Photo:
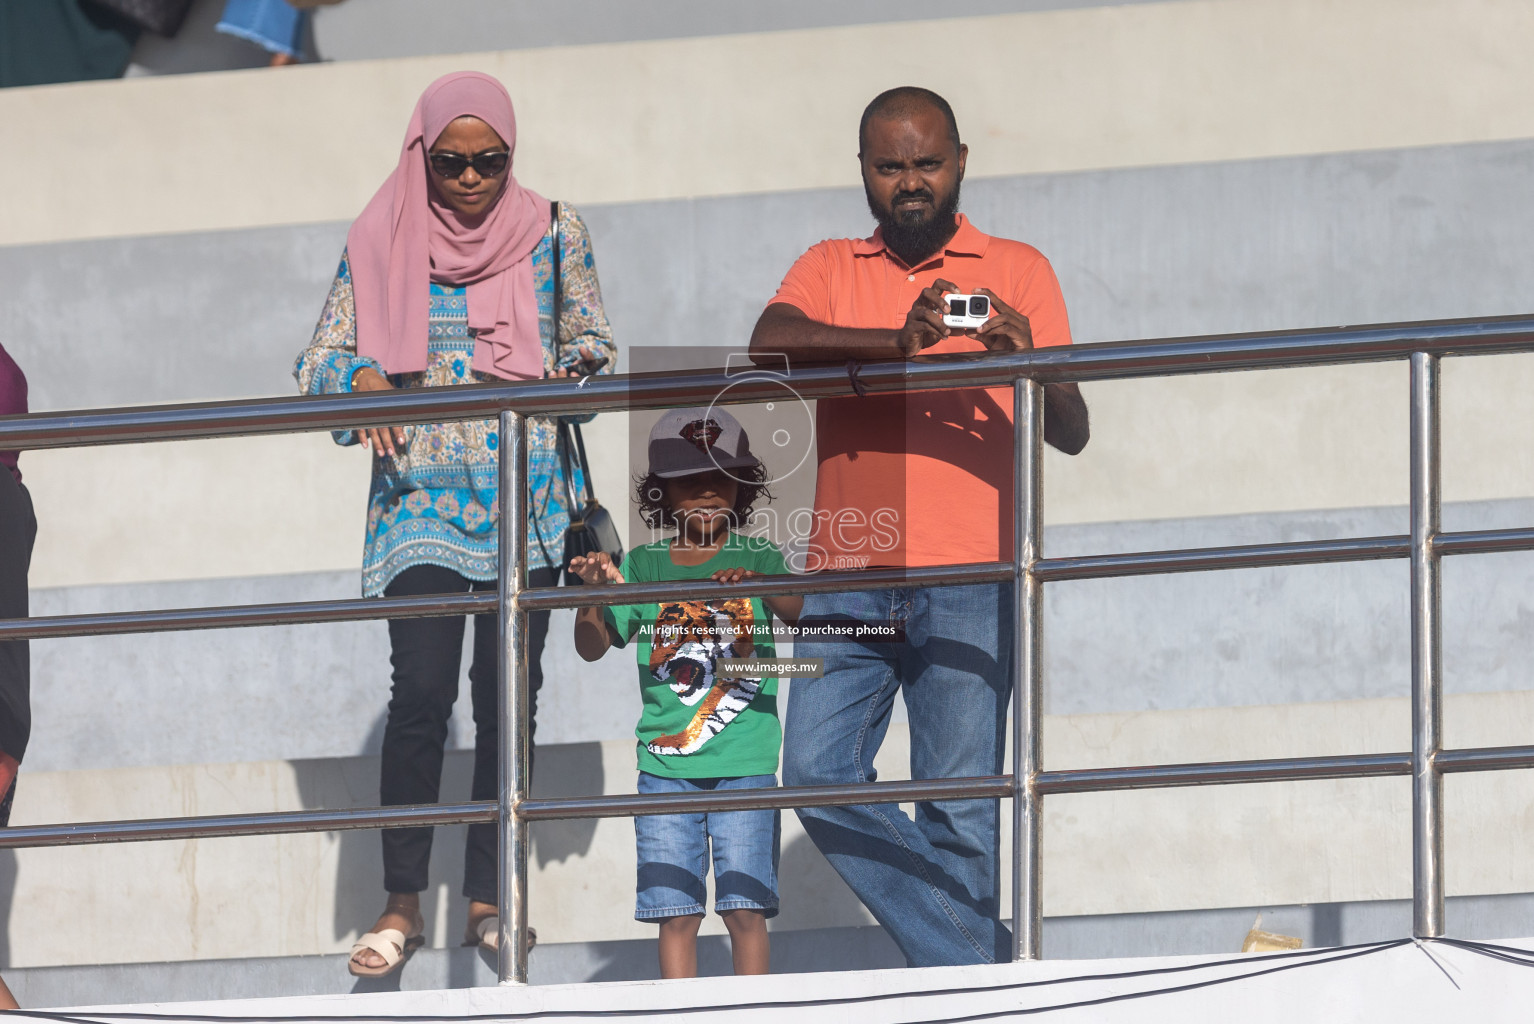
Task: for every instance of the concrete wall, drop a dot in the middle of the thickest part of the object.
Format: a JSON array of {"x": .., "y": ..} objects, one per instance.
[
  {"x": 409, "y": 28},
  {"x": 1127, "y": 853},
  {"x": 1190, "y": 166},
  {"x": 403, "y": 28},
  {"x": 1192, "y": 81},
  {"x": 1149, "y": 252},
  {"x": 1281, "y": 636}
]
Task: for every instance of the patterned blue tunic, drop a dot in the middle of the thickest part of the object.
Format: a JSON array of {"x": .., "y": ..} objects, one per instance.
[{"x": 433, "y": 503}]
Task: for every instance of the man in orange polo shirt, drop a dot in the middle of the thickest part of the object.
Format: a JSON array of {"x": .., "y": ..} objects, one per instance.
[{"x": 914, "y": 479}]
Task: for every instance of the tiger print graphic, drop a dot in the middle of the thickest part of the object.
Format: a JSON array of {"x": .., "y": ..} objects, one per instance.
[{"x": 690, "y": 638}]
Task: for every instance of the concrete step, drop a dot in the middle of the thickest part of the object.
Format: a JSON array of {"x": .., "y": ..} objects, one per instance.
[
  {"x": 1215, "y": 931},
  {"x": 793, "y": 952}
]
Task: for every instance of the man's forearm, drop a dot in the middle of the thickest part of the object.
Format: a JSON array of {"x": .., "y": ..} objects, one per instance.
[
  {"x": 1066, "y": 425},
  {"x": 787, "y": 608},
  {"x": 784, "y": 330}
]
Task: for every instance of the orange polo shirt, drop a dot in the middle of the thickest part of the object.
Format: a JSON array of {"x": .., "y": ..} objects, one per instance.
[{"x": 921, "y": 478}]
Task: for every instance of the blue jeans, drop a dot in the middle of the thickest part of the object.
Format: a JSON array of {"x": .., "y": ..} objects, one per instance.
[
  {"x": 673, "y": 853},
  {"x": 932, "y": 881}
]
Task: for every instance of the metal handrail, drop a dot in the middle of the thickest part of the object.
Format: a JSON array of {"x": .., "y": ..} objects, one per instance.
[
  {"x": 211, "y": 826},
  {"x": 621, "y": 393},
  {"x": 292, "y": 613},
  {"x": 1422, "y": 343},
  {"x": 532, "y": 599},
  {"x": 1058, "y": 781}
]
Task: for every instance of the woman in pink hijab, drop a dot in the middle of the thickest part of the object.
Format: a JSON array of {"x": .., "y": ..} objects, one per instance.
[{"x": 449, "y": 277}]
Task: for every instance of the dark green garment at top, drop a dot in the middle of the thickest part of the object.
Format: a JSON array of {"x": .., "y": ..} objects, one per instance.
[{"x": 47, "y": 41}]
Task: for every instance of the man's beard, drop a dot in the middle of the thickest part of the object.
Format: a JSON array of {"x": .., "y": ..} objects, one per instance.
[{"x": 915, "y": 240}]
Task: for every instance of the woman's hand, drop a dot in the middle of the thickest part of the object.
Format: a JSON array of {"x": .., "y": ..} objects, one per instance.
[
  {"x": 588, "y": 355},
  {"x": 383, "y": 440},
  {"x": 597, "y": 568}
]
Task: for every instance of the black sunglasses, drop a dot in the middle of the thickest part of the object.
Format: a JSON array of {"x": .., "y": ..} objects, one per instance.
[{"x": 486, "y": 165}]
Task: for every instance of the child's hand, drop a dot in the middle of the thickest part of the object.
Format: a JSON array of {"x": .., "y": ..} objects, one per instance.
[
  {"x": 597, "y": 568},
  {"x": 785, "y": 608}
]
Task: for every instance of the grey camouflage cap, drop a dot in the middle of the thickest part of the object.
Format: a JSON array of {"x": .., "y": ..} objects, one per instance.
[{"x": 698, "y": 440}]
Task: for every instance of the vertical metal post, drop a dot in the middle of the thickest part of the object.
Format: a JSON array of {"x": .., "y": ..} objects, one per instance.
[
  {"x": 1028, "y": 668},
  {"x": 1426, "y": 653},
  {"x": 513, "y": 754}
]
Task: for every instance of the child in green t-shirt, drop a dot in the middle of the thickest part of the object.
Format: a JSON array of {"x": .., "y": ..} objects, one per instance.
[{"x": 699, "y": 730}]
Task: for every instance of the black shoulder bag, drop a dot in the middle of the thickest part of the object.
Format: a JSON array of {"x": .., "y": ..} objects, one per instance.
[
  {"x": 162, "y": 17},
  {"x": 591, "y": 526}
]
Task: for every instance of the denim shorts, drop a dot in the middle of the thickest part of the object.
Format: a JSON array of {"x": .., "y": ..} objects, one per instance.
[{"x": 674, "y": 853}]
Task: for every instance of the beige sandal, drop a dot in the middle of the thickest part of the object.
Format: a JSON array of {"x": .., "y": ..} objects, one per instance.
[
  {"x": 487, "y": 935},
  {"x": 391, "y": 944}
]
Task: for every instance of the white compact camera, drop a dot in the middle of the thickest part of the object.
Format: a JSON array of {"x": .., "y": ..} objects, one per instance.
[{"x": 966, "y": 311}]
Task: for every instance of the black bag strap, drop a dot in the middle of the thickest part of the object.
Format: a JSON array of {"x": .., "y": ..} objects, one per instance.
[
  {"x": 565, "y": 462},
  {"x": 564, "y": 426},
  {"x": 558, "y": 306},
  {"x": 559, "y": 290},
  {"x": 580, "y": 446}
]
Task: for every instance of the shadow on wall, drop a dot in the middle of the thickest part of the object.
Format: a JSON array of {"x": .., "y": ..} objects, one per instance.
[
  {"x": 812, "y": 932},
  {"x": 810, "y": 892},
  {"x": 567, "y": 770},
  {"x": 332, "y": 783},
  {"x": 359, "y": 889}
]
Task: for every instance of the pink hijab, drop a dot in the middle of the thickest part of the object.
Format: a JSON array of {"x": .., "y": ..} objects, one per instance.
[{"x": 406, "y": 237}]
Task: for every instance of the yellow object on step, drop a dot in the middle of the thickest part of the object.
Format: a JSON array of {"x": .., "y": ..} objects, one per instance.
[{"x": 1259, "y": 941}]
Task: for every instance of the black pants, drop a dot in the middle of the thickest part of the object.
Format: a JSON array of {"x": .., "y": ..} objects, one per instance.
[
  {"x": 427, "y": 655},
  {"x": 18, "y": 529}
]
